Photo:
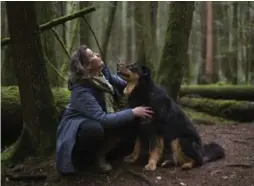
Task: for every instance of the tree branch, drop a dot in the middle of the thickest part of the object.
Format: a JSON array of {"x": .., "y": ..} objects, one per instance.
[{"x": 55, "y": 22}]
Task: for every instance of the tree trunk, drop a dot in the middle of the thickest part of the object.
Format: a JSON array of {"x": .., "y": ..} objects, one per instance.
[
  {"x": 170, "y": 71},
  {"x": 46, "y": 13},
  {"x": 84, "y": 29},
  {"x": 209, "y": 43},
  {"x": 201, "y": 70},
  {"x": 234, "y": 54},
  {"x": 7, "y": 76},
  {"x": 108, "y": 30},
  {"x": 38, "y": 110},
  {"x": 143, "y": 32}
]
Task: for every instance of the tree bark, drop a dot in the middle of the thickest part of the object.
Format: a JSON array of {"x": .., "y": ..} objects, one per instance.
[
  {"x": 143, "y": 32},
  {"x": 170, "y": 71},
  {"x": 55, "y": 22},
  {"x": 209, "y": 43},
  {"x": 45, "y": 13},
  {"x": 108, "y": 30},
  {"x": 201, "y": 70},
  {"x": 84, "y": 29},
  {"x": 38, "y": 110}
]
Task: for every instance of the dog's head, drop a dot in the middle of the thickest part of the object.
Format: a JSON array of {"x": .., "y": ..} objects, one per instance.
[{"x": 134, "y": 74}]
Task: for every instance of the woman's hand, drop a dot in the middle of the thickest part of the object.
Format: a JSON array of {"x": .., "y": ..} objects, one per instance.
[{"x": 143, "y": 112}]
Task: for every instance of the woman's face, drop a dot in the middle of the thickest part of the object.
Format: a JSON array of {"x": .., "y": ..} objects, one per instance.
[{"x": 95, "y": 61}]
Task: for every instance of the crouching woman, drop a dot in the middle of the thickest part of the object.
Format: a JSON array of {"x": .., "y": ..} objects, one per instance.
[{"x": 90, "y": 124}]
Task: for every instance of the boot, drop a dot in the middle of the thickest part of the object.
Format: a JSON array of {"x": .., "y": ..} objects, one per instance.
[{"x": 101, "y": 163}]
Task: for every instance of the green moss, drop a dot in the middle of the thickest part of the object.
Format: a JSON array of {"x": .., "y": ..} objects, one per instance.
[
  {"x": 201, "y": 116},
  {"x": 231, "y": 109},
  {"x": 220, "y": 86},
  {"x": 7, "y": 154}
]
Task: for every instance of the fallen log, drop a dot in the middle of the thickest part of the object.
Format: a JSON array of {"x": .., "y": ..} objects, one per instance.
[
  {"x": 242, "y": 111},
  {"x": 11, "y": 113},
  {"x": 230, "y": 92},
  {"x": 54, "y": 22}
]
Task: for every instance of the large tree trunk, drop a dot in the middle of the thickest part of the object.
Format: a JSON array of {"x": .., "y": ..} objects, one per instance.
[
  {"x": 170, "y": 71},
  {"x": 38, "y": 110},
  {"x": 46, "y": 13},
  {"x": 7, "y": 68}
]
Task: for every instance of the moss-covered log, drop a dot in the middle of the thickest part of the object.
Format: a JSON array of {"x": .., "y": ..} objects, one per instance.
[
  {"x": 11, "y": 114},
  {"x": 240, "y": 93},
  {"x": 11, "y": 120},
  {"x": 242, "y": 111}
]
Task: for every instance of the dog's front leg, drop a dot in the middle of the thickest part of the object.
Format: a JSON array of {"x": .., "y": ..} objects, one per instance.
[
  {"x": 155, "y": 155},
  {"x": 135, "y": 153}
]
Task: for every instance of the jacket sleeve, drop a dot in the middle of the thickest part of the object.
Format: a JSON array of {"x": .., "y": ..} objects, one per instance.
[
  {"x": 115, "y": 80},
  {"x": 85, "y": 103}
]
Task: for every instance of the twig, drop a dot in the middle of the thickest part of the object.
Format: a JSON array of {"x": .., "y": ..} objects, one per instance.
[
  {"x": 247, "y": 166},
  {"x": 239, "y": 141},
  {"x": 96, "y": 40},
  {"x": 139, "y": 176},
  {"x": 54, "y": 68},
  {"x": 61, "y": 42},
  {"x": 26, "y": 177}
]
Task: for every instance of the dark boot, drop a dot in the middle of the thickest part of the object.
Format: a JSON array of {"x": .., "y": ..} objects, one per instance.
[{"x": 101, "y": 163}]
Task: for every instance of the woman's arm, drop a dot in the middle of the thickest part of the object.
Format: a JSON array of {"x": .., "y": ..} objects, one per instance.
[
  {"x": 115, "y": 80},
  {"x": 85, "y": 103}
]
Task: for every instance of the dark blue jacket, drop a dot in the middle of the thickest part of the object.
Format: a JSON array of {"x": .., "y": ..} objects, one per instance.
[{"x": 86, "y": 103}]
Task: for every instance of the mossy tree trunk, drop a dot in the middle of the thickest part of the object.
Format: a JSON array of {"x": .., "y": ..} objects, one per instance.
[
  {"x": 7, "y": 76},
  {"x": 45, "y": 11},
  {"x": 170, "y": 71},
  {"x": 38, "y": 110}
]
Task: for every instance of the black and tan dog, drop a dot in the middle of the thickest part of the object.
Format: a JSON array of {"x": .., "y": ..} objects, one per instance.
[{"x": 170, "y": 124}]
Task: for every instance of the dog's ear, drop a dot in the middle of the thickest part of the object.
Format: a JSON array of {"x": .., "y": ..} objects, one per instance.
[{"x": 146, "y": 71}]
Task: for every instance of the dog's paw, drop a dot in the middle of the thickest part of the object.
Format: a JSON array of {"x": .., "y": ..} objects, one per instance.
[
  {"x": 150, "y": 167},
  {"x": 130, "y": 159},
  {"x": 187, "y": 166}
]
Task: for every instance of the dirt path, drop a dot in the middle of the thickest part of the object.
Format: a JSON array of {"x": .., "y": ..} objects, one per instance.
[{"x": 238, "y": 140}]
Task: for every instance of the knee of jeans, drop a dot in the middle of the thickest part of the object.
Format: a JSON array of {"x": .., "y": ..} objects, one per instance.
[{"x": 92, "y": 131}]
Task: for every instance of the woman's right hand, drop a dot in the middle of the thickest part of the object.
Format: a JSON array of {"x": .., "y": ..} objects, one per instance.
[{"x": 143, "y": 112}]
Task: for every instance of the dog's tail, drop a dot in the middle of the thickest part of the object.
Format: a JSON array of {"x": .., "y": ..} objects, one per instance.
[{"x": 213, "y": 152}]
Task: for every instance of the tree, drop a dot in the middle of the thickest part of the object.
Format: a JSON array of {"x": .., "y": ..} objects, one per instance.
[
  {"x": 46, "y": 13},
  {"x": 170, "y": 70},
  {"x": 38, "y": 110}
]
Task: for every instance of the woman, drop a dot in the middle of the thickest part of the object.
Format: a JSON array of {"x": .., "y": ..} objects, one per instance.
[{"x": 90, "y": 127}]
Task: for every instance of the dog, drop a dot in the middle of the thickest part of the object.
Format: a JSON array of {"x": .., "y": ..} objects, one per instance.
[{"x": 172, "y": 127}]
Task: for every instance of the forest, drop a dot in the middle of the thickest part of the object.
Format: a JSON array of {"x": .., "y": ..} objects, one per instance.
[{"x": 201, "y": 53}]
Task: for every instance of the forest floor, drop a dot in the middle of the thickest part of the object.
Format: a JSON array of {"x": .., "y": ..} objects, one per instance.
[{"x": 237, "y": 169}]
